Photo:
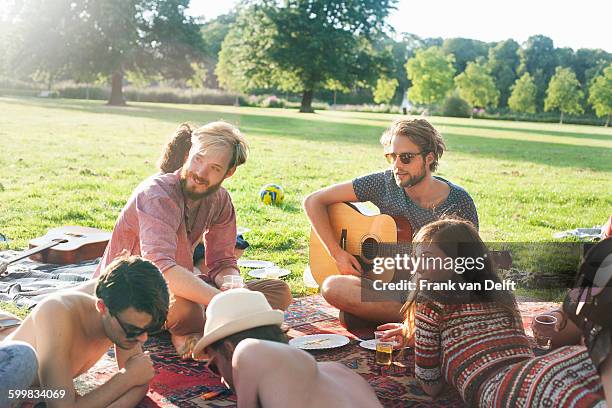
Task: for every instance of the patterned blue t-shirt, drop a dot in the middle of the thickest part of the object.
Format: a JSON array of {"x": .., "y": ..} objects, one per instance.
[{"x": 391, "y": 199}]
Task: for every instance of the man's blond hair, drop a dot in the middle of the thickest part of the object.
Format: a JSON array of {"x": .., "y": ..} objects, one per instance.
[
  {"x": 421, "y": 133},
  {"x": 221, "y": 136}
]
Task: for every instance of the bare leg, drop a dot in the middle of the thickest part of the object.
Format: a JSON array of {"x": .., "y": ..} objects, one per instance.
[{"x": 345, "y": 293}]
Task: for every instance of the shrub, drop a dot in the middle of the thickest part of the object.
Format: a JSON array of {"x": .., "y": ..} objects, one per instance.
[
  {"x": 456, "y": 107},
  {"x": 272, "y": 102}
]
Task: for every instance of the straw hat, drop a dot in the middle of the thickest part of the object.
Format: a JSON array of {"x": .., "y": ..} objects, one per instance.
[{"x": 233, "y": 311}]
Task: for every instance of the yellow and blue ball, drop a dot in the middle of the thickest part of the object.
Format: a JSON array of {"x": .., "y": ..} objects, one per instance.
[{"x": 271, "y": 194}]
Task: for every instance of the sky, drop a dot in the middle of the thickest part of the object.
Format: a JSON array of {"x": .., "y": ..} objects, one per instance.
[{"x": 574, "y": 24}]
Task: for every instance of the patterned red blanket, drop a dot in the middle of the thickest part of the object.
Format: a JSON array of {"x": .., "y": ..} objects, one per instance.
[{"x": 186, "y": 384}]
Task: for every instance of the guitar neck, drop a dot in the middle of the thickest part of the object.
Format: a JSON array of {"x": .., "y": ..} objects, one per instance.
[{"x": 35, "y": 250}]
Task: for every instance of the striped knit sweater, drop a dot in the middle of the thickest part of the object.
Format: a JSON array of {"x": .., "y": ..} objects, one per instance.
[{"x": 467, "y": 345}]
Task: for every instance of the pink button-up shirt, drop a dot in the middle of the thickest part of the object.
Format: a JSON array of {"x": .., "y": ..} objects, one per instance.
[{"x": 152, "y": 224}]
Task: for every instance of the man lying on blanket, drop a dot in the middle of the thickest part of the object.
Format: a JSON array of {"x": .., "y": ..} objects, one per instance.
[
  {"x": 72, "y": 330},
  {"x": 243, "y": 339}
]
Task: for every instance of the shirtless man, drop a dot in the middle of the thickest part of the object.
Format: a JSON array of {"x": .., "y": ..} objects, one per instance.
[
  {"x": 243, "y": 339},
  {"x": 409, "y": 190},
  {"x": 72, "y": 330}
]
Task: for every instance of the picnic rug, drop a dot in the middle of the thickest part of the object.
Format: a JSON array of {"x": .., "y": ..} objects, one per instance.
[{"x": 181, "y": 383}]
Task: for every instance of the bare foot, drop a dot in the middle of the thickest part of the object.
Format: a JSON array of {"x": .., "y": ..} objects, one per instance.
[{"x": 184, "y": 345}]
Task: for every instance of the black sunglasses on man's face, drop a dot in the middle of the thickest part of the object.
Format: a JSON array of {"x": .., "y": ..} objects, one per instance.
[
  {"x": 405, "y": 158},
  {"x": 132, "y": 332}
]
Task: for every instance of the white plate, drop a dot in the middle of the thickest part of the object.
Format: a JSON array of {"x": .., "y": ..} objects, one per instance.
[
  {"x": 371, "y": 345},
  {"x": 253, "y": 263},
  {"x": 319, "y": 341},
  {"x": 269, "y": 273}
]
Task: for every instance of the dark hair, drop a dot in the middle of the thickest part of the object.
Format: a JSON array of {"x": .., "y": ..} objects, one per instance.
[
  {"x": 131, "y": 281},
  {"x": 176, "y": 149},
  {"x": 459, "y": 239},
  {"x": 271, "y": 333},
  {"x": 421, "y": 133}
]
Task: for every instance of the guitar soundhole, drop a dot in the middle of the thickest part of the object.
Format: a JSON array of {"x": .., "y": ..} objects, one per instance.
[{"x": 369, "y": 248}]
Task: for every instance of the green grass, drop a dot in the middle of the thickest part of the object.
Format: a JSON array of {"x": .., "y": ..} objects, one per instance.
[{"x": 66, "y": 162}]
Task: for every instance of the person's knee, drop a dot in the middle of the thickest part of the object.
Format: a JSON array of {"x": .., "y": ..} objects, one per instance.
[
  {"x": 19, "y": 363},
  {"x": 184, "y": 317},
  {"x": 277, "y": 292},
  {"x": 337, "y": 290},
  {"x": 279, "y": 295}
]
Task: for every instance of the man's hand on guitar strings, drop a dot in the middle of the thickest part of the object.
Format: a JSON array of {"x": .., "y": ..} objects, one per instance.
[{"x": 348, "y": 264}]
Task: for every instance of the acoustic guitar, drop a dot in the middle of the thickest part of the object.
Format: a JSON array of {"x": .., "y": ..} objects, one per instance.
[
  {"x": 64, "y": 245},
  {"x": 364, "y": 236}
]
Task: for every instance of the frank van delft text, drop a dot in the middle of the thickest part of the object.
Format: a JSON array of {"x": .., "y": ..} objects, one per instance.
[{"x": 450, "y": 285}]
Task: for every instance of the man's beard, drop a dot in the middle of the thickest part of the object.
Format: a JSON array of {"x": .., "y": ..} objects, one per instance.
[
  {"x": 413, "y": 180},
  {"x": 192, "y": 195}
]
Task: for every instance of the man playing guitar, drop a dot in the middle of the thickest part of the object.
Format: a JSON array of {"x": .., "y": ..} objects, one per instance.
[{"x": 409, "y": 190}]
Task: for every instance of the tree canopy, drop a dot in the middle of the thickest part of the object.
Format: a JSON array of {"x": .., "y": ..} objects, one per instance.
[
  {"x": 523, "y": 97},
  {"x": 476, "y": 86},
  {"x": 564, "y": 93},
  {"x": 600, "y": 94},
  {"x": 303, "y": 44},
  {"x": 431, "y": 73},
  {"x": 503, "y": 62},
  {"x": 107, "y": 38},
  {"x": 385, "y": 89},
  {"x": 465, "y": 50}
]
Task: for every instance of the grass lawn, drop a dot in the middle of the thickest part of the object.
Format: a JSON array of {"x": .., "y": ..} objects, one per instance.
[{"x": 68, "y": 162}]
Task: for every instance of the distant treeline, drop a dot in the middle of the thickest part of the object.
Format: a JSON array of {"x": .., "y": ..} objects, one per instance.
[{"x": 334, "y": 51}]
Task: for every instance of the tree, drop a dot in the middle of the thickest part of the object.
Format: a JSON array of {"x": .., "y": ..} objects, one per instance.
[
  {"x": 464, "y": 51},
  {"x": 335, "y": 87},
  {"x": 523, "y": 97},
  {"x": 213, "y": 33},
  {"x": 398, "y": 53},
  {"x": 564, "y": 93},
  {"x": 109, "y": 37},
  {"x": 539, "y": 59},
  {"x": 198, "y": 79},
  {"x": 385, "y": 90},
  {"x": 431, "y": 73},
  {"x": 503, "y": 62},
  {"x": 300, "y": 45},
  {"x": 590, "y": 63},
  {"x": 476, "y": 86},
  {"x": 600, "y": 94}
]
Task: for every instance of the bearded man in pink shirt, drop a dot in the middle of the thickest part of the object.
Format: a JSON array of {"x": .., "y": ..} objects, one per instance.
[{"x": 167, "y": 215}]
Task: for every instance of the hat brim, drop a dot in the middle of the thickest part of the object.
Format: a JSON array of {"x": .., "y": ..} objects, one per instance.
[{"x": 266, "y": 318}]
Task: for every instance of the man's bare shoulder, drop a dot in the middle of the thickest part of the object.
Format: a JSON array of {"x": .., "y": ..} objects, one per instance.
[
  {"x": 260, "y": 354},
  {"x": 63, "y": 309}
]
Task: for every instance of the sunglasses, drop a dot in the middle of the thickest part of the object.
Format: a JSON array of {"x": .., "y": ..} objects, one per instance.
[
  {"x": 132, "y": 333},
  {"x": 405, "y": 158}
]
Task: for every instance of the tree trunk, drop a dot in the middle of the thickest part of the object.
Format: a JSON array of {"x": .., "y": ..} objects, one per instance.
[
  {"x": 608, "y": 120},
  {"x": 561, "y": 118},
  {"x": 306, "y": 106},
  {"x": 334, "y": 99},
  {"x": 116, "y": 96}
]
